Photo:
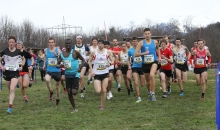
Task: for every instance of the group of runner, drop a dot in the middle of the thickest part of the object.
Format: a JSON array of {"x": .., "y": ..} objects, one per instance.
[{"x": 140, "y": 60}]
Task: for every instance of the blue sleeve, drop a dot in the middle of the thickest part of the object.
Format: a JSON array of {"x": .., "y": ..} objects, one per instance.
[
  {"x": 87, "y": 48},
  {"x": 129, "y": 54},
  {"x": 73, "y": 47}
]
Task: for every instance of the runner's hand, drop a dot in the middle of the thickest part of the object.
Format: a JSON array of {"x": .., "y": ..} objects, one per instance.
[
  {"x": 192, "y": 66},
  {"x": 3, "y": 68},
  {"x": 146, "y": 52},
  {"x": 107, "y": 64},
  {"x": 20, "y": 69},
  {"x": 116, "y": 66}
]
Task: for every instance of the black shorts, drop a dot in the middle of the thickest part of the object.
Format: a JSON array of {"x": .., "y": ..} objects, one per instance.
[
  {"x": 168, "y": 73},
  {"x": 158, "y": 66},
  {"x": 124, "y": 69},
  {"x": 101, "y": 77},
  {"x": 72, "y": 83},
  {"x": 200, "y": 70},
  {"x": 138, "y": 70},
  {"x": 55, "y": 75},
  {"x": 8, "y": 75},
  {"x": 182, "y": 67},
  {"x": 115, "y": 70},
  {"x": 147, "y": 67},
  {"x": 111, "y": 71}
]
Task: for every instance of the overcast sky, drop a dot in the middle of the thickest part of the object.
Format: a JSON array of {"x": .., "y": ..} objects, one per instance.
[{"x": 91, "y": 14}]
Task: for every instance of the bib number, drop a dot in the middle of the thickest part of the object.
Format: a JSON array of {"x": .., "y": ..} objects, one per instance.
[
  {"x": 180, "y": 61},
  {"x": 164, "y": 62},
  {"x": 137, "y": 59},
  {"x": 101, "y": 66},
  {"x": 52, "y": 61},
  {"x": 67, "y": 64},
  {"x": 149, "y": 59},
  {"x": 11, "y": 67},
  {"x": 200, "y": 61}
]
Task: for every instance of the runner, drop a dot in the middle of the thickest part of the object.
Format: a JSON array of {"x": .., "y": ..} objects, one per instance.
[
  {"x": 181, "y": 56},
  {"x": 123, "y": 61},
  {"x": 117, "y": 75},
  {"x": 111, "y": 69},
  {"x": 83, "y": 50},
  {"x": 11, "y": 68},
  {"x": 23, "y": 80},
  {"x": 129, "y": 72},
  {"x": 199, "y": 64},
  {"x": 50, "y": 62},
  {"x": 149, "y": 48},
  {"x": 62, "y": 80},
  {"x": 166, "y": 67},
  {"x": 40, "y": 61},
  {"x": 92, "y": 49},
  {"x": 72, "y": 70},
  {"x": 100, "y": 70},
  {"x": 136, "y": 67}
]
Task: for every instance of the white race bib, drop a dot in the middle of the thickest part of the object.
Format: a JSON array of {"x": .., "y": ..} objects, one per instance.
[
  {"x": 180, "y": 61},
  {"x": 200, "y": 61},
  {"x": 137, "y": 59},
  {"x": 52, "y": 61},
  {"x": 149, "y": 59},
  {"x": 67, "y": 64},
  {"x": 101, "y": 65},
  {"x": 19, "y": 61},
  {"x": 11, "y": 67},
  {"x": 124, "y": 61},
  {"x": 164, "y": 62}
]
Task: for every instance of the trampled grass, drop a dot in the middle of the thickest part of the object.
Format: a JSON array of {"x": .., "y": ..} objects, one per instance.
[{"x": 121, "y": 112}]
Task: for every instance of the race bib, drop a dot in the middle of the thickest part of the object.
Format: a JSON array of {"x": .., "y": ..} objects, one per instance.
[
  {"x": 200, "y": 61},
  {"x": 11, "y": 67},
  {"x": 180, "y": 61},
  {"x": 67, "y": 64},
  {"x": 149, "y": 59},
  {"x": 52, "y": 61},
  {"x": 124, "y": 61},
  {"x": 101, "y": 65},
  {"x": 137, "y": 59},
  {"x": 164, "y": 62}
]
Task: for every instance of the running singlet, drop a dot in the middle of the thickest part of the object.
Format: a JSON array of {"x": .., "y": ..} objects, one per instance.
[
  {"x": 71, "y": 66},
  {"x": 200, "y": 58},
  {"x": 11, "y": 59},
  {"x": 136, "y": 61},
  {"x": 112, "y": 66},
  {"x": 82, "y": 50},
  {"x": 116, "y": 50},
  {"x": 27, "y": 56},
  {"x": 124, "y": 58},
  {"x": 151, "y": 57},
  {"x": 100, "y": 61},
  {"x": 164, "y": 63},
  {"x": 180, "y": 56},
  {"x": 92, "y": 49},
  {"x": 51, "y": 61}
]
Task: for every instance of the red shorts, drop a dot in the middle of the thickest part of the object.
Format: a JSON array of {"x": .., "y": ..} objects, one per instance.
[{"x": 23, "y": 73}]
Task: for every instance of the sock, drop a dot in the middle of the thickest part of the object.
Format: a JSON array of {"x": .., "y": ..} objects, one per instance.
[
  {"x": 119, "y": 85},
  {"x": 10, "y": 106}
]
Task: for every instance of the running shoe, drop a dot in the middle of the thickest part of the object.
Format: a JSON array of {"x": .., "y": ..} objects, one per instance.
[
  {"x": 169, "y": 90},
  {"x": 164, "y": 96},
  {"x": 182, "y": 94},
  {"x": 82, "y": 95},
  {"x": 175, "y": 81},
  {"x": 18, "y": 86},
  {"x": 138, "y": 100},
  {"x": 131, "y": 88},
  {"x": 153, "y": 98},
  {"x": 57, "y": 101},
  {"x": 74, "y": 110},
  {"x": 25, "y": 99},
  {"x": 110, "y": 95},
  {"x": 88, "y": 82},
  {"x": 30, "y": 84},
  {"x": 119, "y": 89},
  {"x": 129, "y": 91},
  {"x": 202, "y": 97},
  {"x": 101, "y": 108},
  {"x": 84, "y": 88},
  {"x": 51, "y": 96},
  {"x": 9, "y": 110}
]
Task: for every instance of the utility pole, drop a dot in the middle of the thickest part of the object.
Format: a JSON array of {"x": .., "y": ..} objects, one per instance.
[{"x": 64, "y": 27}]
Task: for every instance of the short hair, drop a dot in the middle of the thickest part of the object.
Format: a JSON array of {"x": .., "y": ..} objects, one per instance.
[
  {"x": 12, "y": 37},
  {"x": 201, "y": 40},
  {"x": 178, "y": 39},
  {"x": 95, "y": 38},
  {"x": 195, "y": 41},
  {"x": 166, "y": 36},
  {"x": 102, "y": 41},
  {"x": 146, "y": 29},
  {"x": 123, "y": 43},
  {"x": 28, "y": 49},
  {"x": 107, "y": 43},
  {"x": 163, "y": 40},
  {"x": 51, "y": 38},
  {"x": 134, "y": 38}
]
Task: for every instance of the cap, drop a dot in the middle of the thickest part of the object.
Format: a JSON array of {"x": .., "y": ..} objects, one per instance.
[
  {"x": 78, "y": 37},
  {"x": 102, "y": 41}
]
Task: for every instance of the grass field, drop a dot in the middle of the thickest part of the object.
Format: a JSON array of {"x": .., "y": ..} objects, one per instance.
[{"x": 121, "y": 112}]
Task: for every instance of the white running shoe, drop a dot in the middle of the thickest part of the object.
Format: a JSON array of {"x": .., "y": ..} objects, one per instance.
[
  {"x": 82, "y": 95},
  {"x": 110, "y": 95}
]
